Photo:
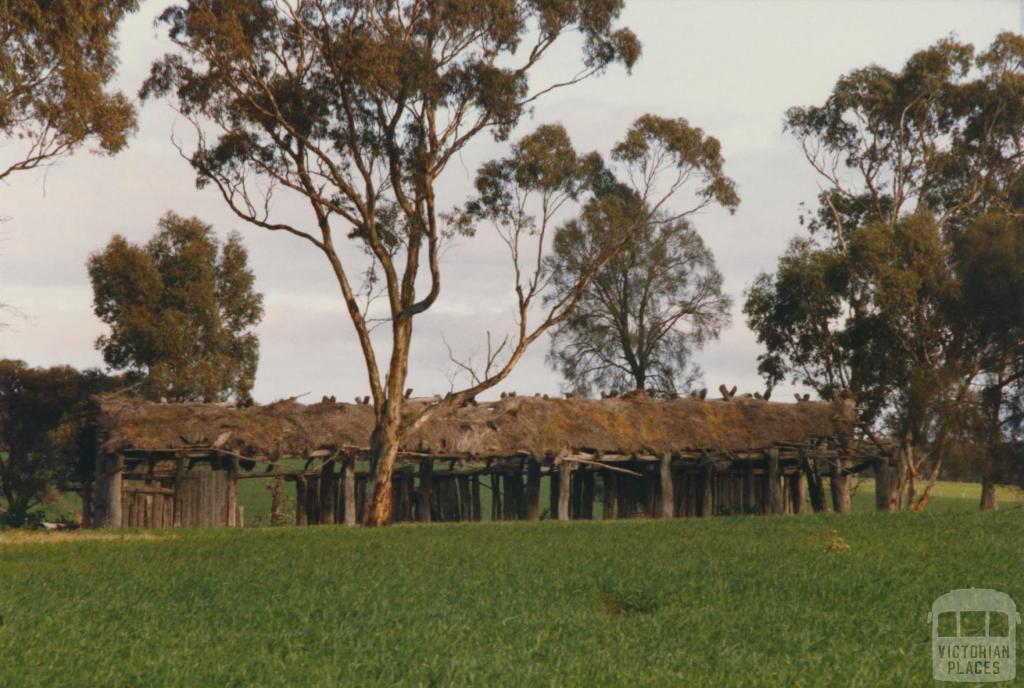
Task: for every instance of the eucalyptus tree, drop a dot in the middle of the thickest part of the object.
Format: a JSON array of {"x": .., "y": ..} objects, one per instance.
[
  {"x": 58, "y": 60},
  {"x": 912, "y": 155},
  {"x": 644, "y": 314},
  {"x": 357, "y": 108},
  {"x": 42, "y": 414},
  {"x": 990, "y": 257},
  {"x": 181, "y": 310}
]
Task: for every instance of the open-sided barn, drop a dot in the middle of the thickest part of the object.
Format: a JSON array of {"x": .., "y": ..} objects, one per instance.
[{"x": 164, "y": 465}]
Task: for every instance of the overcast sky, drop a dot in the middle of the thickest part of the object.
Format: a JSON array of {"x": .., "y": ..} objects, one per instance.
[{"x": 730, "y": 67}]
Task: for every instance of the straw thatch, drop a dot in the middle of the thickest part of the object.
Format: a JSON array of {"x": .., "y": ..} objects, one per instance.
[{"x": 524, "y": 424}]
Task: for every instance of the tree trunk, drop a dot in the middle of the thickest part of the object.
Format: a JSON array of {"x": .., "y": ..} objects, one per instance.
[
  {"x": 384, "y": 451},
  {"x": 988, "y": 495}
]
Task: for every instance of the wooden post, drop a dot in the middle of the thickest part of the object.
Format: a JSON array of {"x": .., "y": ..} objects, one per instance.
[
  {"x": 349, "y": 488},
  {"x": 363, "y": 490},
  {"x": 774, "y": 490},
  {"x": 555, "y": 498},
  {"x": 423, "y": 507},
  {"x": 452, "y": 491},
  {"x": 179, "y": 480},
  {"x": 109, "y": 509},
  {"x": 276, "y": 491},
  {"x": 587, "y": 494},
  {"x": 300, "y": 500},
  {"x": 840, "y": 488},
  {"x": 474, "y": 488},
  {"x": 608, "y": 478},
  {"x": 575, "y": 492},
  {"x": 532, "y": 490},
  {"x": 328, "y": 490},
  {"x": 650, "y": 486},
  {"x": 231, "y": 496},
  {"x": 668, "y": 498},
  {"x": 564, "y": 489},
  {"x": 815, "y": 484},
  {"x": 496, "y": 508},
  {"x": 509, "y": 511},
  {"x": 707, "y": 478},
  {"x": 749, "y": 488},
  {"x": 622, "y": 491},
  {"x": 465, "y": 505},
  {"x": 796, "y": 491}
]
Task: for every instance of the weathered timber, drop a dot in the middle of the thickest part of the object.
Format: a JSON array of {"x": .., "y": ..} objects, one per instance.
[
  {"x": 840, "y": 488},
  {"x": 532, "y": 490},
  {"x": 465, "y": 504},
  {"x": 706, "y": 479},
  {"x": 423, "y": 503},
  {"x": 668, "y": 500},
  {"x": 474, "y": 487},
  {"x": 608, "y": 481},
  {"x": 349, "y": 490},
  {"x": 496, "y": 506},
  {"x": 775, "y": 505},
  {"x": 564, "y": 490},
  {"x": 328, "y": 493},
  {"x": 300, "y": 500},
  {"x": 587, "y": 494},
  {"x": 109, "y": 509}
]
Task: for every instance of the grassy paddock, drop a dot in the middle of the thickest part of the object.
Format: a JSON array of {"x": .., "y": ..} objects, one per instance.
[{"x": 786, "y": 601}]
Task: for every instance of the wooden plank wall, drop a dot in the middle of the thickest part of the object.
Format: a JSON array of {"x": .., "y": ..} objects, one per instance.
[{"x": 205, "y": 495}]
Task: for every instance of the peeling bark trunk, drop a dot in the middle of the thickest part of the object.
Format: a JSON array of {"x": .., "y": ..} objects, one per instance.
[
  {"x": 384, "y": 451},
  {"x": 922, "y": 502}
]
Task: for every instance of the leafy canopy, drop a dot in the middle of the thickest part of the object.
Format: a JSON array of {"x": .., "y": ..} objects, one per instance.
[
  {"x": 643, "y": 315},
  {"x": 181, "y": 311},
  {"x": 41, "y": 415},
  {"x": 58, "y": 59}
]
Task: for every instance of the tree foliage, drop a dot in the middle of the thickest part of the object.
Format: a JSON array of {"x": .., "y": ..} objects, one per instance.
[
  {"x": 181, "y": 311},
  {"x": 875, "y": 298},
  {"x": 643, "y": 315},
  {"x": 357, "y": 108},
  {"x": 41, "y": 413},
  {"x": 623, "y": 220},
  {"x": 58, "y": 59}
]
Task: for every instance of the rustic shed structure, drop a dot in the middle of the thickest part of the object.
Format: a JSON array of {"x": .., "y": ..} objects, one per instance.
[{"x": 162, "y": 465}]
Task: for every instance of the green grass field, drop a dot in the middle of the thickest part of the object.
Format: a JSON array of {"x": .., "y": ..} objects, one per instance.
[{"x": 775, "y": 601}]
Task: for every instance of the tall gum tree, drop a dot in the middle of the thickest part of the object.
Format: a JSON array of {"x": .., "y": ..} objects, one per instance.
[
  {"x": 357, "y": 108},
  {"x": 928, "y": 148}
]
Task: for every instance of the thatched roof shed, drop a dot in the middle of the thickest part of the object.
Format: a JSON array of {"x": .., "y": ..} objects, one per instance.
[{"x": 509, "y": 427}]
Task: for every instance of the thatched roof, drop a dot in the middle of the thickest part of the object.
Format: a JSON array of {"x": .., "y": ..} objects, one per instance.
[{"x": 523, "y": 424}]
